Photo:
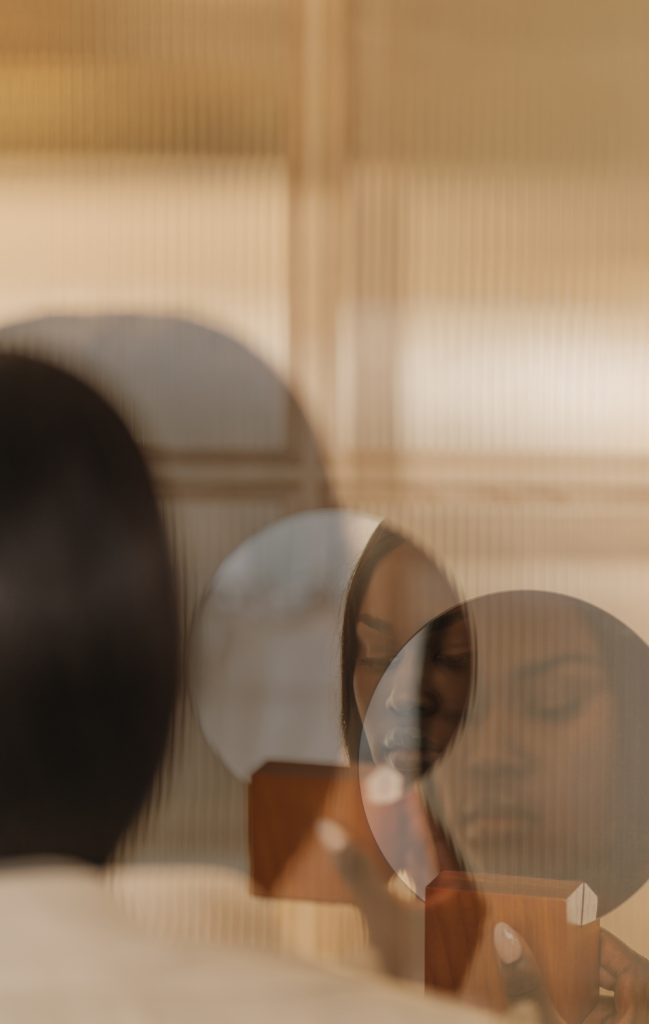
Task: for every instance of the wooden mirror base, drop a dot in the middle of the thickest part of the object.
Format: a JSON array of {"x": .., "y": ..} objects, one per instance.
[{"x": 557, "y": 920}]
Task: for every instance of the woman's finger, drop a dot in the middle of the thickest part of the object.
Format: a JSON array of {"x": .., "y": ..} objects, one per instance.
[
  {"x": 626, "y": 974},
  {"x": 357, "y": 871},
  {"x": 396, "y": 930},
  {"x": 615, "y": 958},
  {"x": 603, "y": 1011},
  {"x": 521, "y": 976}
]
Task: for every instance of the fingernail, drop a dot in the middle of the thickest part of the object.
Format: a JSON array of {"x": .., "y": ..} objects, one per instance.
[
  {"x": 507, "y": 943},
  {"x": 331, "y": 835}
]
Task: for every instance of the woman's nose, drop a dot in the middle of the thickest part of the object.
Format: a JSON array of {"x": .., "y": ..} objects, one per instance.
[
  {"x": 404, "y": 697},
  {"x": 402, "y": 700},
  {"x": 496, "y": 745}
]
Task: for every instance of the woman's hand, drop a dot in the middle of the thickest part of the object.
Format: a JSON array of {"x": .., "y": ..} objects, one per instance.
[
  {"x": 626, "y": 975},
  {"x": 622, "y": 972}
]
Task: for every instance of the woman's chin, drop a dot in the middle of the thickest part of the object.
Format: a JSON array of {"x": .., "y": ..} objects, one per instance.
[
  {"x": 503, "y": 849},
  {"x": 405, "y": 762}
]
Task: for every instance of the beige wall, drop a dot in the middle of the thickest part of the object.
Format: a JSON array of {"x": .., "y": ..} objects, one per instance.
[{"x": 430, "y": 218}]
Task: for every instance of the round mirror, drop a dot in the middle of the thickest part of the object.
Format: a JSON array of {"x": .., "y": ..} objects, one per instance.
[
  {"x": 265, "y": 659},
  {"x": 524, "y": 718}
]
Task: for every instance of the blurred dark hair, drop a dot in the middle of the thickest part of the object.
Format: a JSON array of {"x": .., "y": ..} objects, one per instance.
[{"x": 88, "y": 623}]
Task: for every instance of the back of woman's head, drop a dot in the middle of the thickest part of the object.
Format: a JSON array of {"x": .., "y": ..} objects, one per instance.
[{"x": 88, "y": 628}]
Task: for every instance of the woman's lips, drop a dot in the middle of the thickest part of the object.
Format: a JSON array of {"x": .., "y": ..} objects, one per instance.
[
  {"x": 495, "y": 821},
  {"x": 406, "y": 751},
  {"x": 407, "y": 762}
]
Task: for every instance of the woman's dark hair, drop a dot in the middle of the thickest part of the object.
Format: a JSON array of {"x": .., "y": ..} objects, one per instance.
[
  {"x": 380, "y": 544},
  {"x": 88, "y": 622}
]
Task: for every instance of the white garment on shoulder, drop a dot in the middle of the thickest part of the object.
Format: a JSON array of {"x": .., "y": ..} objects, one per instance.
[{"x": 68, "y": 954}]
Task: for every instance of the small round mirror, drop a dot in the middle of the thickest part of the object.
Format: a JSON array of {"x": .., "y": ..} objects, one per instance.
[{"x": 265, "y": 657}]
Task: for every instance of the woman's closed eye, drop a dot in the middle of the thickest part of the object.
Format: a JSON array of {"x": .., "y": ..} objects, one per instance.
[
  {"x": 558, "y": 688},
  {"x": 376, "y": 647},
  {"x": 451, "y": 661},
  {"x": 558, "y": 708},
  {"x": 556, "y": 699},
  {"x": 460, "y": 662}
]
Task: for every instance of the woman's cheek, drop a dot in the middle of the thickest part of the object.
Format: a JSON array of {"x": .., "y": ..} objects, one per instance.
[
  {"x": 365, "y": 683},
  {"x": 444, "y": 789},
  {"x": 575, "y": 770}
]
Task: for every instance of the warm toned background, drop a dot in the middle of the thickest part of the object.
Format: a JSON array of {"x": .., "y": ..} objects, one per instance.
[{"x": 429, "y": 217}]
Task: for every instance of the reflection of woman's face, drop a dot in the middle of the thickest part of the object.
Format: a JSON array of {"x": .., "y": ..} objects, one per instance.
[
  {"x": 404, "y": 592},
  {"x": 529, "y": 784}
]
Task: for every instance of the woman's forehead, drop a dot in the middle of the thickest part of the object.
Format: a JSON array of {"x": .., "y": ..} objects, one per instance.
[
  {"x": 531, "y": 624},
  {"x": 406, "y": 579}
]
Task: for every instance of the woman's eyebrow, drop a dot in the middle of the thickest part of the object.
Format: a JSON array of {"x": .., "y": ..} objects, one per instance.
[{"x": 373, "y": 623}]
